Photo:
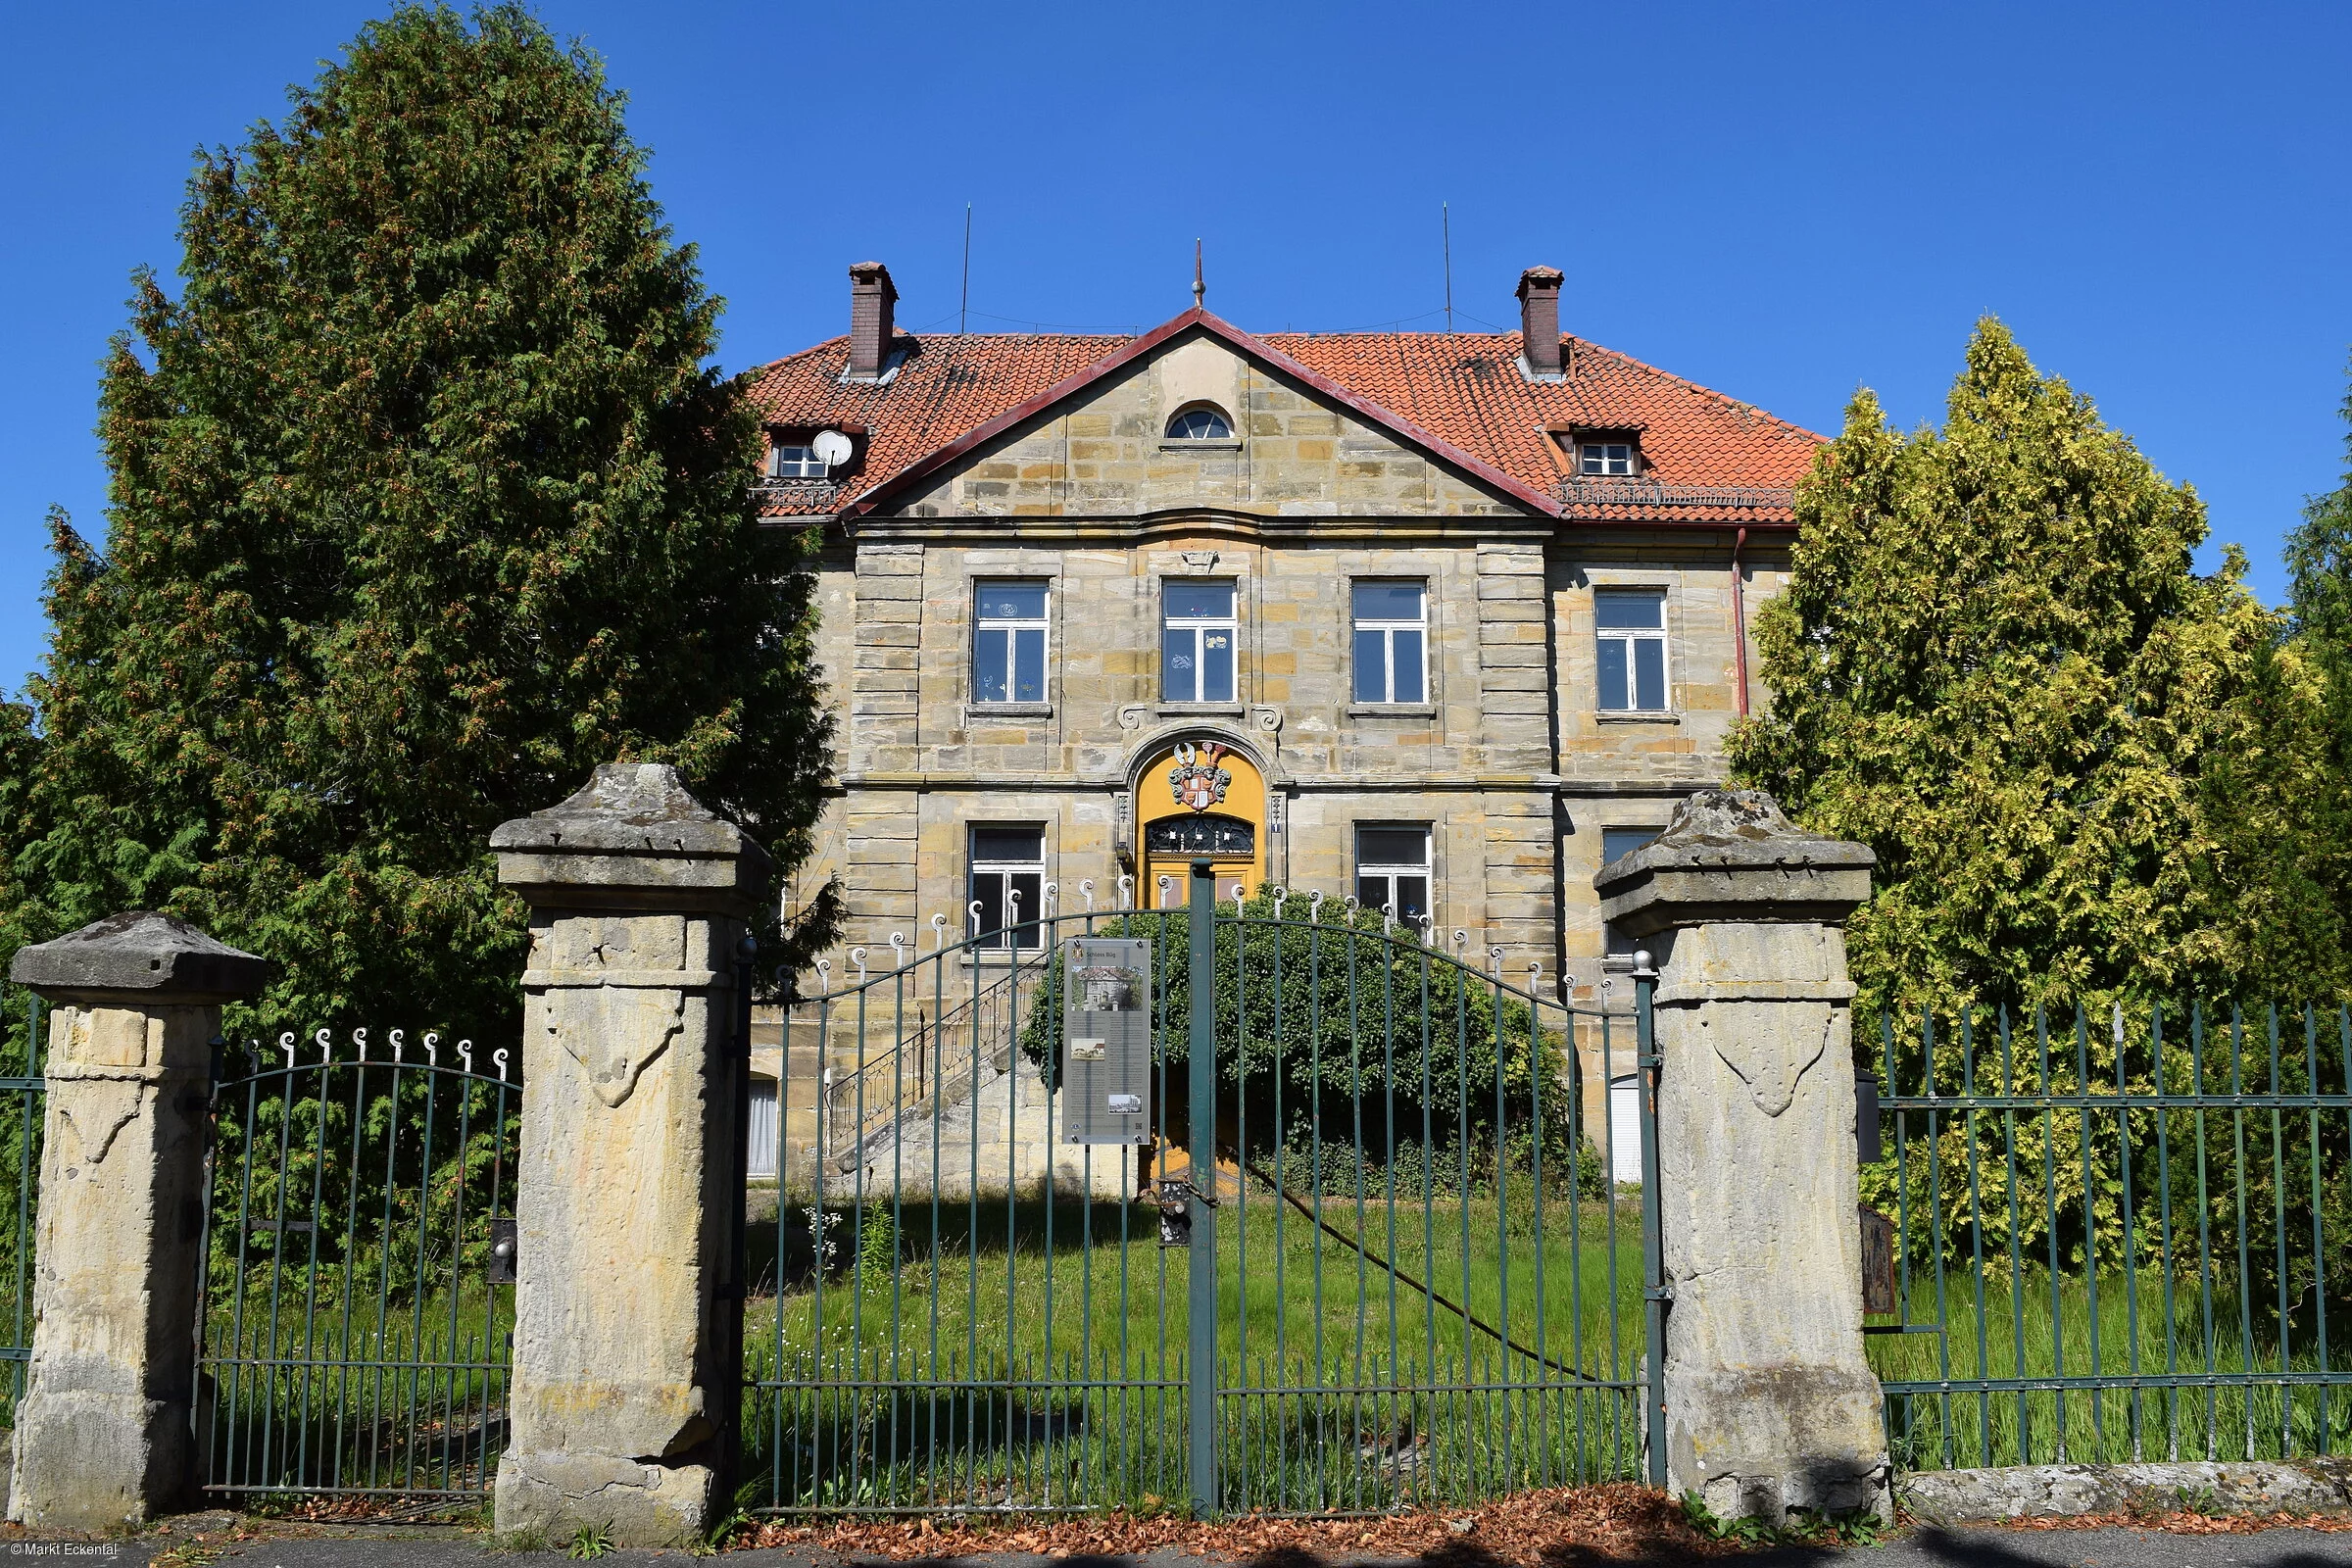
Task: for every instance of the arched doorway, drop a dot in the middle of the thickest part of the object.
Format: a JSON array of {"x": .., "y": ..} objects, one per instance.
[{"x": 1199, "y": 799}]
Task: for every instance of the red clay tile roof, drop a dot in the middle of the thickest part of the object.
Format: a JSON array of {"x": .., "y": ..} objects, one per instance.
[{"x": 1711, "y": 459}]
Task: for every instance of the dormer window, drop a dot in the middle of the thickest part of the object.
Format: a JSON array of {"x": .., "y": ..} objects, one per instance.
[
  {"x": 1200, "y": 424},
  {"x": 1605, "y": 457},
  {"x": 795, "y": 459}
]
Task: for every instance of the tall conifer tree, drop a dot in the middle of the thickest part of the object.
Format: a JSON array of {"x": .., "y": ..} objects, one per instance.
[
  {"x": 2283, "y": 797},
  {"x": 1996, "y": 664},
  {"x": 424, "y": 504}
]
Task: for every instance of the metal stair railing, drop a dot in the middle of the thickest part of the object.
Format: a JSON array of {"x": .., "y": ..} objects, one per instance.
[{"x": 930, "y": 1069}]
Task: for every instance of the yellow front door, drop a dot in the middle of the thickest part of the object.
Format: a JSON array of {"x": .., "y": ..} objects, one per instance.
[
  {"x": 1200, "y": 802},
  {"x": 1175, "y": 873}
]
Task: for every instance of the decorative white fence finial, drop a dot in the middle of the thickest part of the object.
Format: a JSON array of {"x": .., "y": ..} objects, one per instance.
[
  {"x": 1314, "y": 907},
  {"x": 1126, "y": 892},
  {"x": 1388, "y": 917},
  {"x": 939, "y": 933},
  {"x": 325, "y": 1040},
  {"x": 898, "y": 950},
  {"x": 824, "y": 978},
  {"x": 1494, "y": 962},
  {"x": 465, "y": 1054},
  {"x": 286, "y": 1043},
  {"x": 432, "y": 1048},
  {"x": 857, "y": 957},
  {"x": 498, "y": 1059},
  {"x": 1052, "y": 898},
  {"x": 1086, "y": 889},
  {"x": 972, "y": 912},
  {"x": 399, "y": 1044}
]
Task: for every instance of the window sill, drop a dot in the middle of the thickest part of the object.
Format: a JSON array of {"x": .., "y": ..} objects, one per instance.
[
  {"x": 1200, "y": 710},
  {"x": 1199, "y": 446},
  {"x": 1392, "y": 709},
  {"x": 981, "y": 712},
  {"x": 1636, "y": 719}
]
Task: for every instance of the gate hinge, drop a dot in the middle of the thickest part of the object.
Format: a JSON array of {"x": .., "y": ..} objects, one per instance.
[{"x": 1657, "y": 1292}]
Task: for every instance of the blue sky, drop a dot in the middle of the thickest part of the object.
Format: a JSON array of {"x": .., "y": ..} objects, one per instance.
[{"x": 1782, "y": 202}]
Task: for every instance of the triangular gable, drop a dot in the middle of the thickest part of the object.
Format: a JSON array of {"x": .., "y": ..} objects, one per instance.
[{"x": 1241, "y": 343}]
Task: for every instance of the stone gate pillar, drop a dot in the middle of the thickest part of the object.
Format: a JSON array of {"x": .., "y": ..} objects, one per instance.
[
  {"x": 104, "y": 1436},
  {"x": 623, "y": 1376},
  {"x": 1769, "y": 1403}
]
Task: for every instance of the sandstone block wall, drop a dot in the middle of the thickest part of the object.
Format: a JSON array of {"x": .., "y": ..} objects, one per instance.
[{"x": 1508, "y": 758}]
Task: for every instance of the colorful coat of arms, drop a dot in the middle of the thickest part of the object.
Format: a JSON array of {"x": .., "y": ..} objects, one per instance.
[{"x": 1196, "y": 779}]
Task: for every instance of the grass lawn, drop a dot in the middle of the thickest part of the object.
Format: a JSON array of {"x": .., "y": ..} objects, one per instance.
[
  {"x": 309, "y": 1388},
  {"x": 953, "y": 1367},
  {"x": 2261, "y": 1404}
]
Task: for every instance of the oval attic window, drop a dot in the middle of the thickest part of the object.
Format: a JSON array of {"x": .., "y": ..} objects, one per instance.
[{"x": 1200, "y": 424}]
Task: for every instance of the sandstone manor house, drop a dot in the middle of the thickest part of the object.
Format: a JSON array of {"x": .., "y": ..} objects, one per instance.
[{"x": 1435, "y": 621}]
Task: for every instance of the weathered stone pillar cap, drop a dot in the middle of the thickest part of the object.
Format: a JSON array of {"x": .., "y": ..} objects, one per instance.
[
  {"x": 142, "y": 954},
  {"x": 632, "y": 835},
  {"x": 1731, "y": 854}
]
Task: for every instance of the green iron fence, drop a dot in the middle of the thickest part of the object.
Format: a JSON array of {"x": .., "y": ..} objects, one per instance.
[
  {"x": 355, "y": 1311},
  {"x": 2119, "y": 1235},
  {"x": 1351, "y": 1248},
  {"x": 22, "y": 1050}
]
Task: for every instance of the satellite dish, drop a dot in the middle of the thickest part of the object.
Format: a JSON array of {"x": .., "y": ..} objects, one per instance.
[{"x": 831, "y": 447}]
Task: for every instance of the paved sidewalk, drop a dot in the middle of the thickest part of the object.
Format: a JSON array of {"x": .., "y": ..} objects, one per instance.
[{"x": 2285, "y": 1547}]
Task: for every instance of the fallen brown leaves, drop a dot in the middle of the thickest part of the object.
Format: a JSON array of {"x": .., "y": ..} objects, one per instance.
[
  {"x": 2184, "y": 1523},
  {"x": 1564, "y": 1526}
]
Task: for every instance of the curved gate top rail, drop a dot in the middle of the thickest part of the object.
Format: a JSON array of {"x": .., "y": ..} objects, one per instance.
[
  {"x": 358, "y": 1247},
  {"x": 889, "y": 966},
  {"x": 1334, "y": 1237}
]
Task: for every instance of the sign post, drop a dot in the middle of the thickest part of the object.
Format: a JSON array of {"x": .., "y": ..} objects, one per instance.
[{"x": 1201, "y": 1385}]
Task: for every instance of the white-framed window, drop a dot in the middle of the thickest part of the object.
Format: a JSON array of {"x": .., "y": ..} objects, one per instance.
[
  {"x": 1392, "y": 641},
  {"x": 1607, "y": 456},
  {"x": 1391, "y": 869},
  {"x": 795, "y": 459},
  {"x": 1632, "y": 627},
  {"x": 1615, "y": 844},
  {"x": 1009, "y": 883},
  {"x": 1200, "y": 424},
  {"x": 1008, "y": 642},
  {"x": 1195, "y": 643}
]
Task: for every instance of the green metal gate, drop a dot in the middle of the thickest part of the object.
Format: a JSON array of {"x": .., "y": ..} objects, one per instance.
[
  {"x": 21, "y": 1088},
  {"x": 2117, "y": 1234},
  {"x": 356, "y": 1310},
  {"x": 1360, "y": 1253}
]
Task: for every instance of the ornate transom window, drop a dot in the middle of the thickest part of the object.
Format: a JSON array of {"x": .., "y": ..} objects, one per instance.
[{"x": 1201, "y": 835}]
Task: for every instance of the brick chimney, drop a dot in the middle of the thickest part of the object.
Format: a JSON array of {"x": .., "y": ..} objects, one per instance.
[
  {"x": 1539, "y": 321},
  {"x": 871, "y": 296}
]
